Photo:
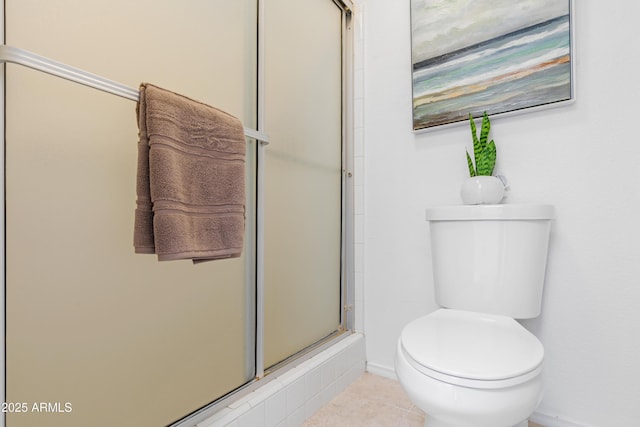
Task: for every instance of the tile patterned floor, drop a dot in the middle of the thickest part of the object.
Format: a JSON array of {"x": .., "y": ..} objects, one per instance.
[{"x": 371, "y": 401}]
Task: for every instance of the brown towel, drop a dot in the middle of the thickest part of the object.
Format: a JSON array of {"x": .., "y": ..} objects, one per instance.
[{"x": 190, "y": 183}]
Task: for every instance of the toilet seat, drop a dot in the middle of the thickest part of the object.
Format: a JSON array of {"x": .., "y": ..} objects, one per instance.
[{"x": 472, "y": 349}]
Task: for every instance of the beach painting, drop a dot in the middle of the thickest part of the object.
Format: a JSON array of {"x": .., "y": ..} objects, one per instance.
[{"x": 498, "y": 56}]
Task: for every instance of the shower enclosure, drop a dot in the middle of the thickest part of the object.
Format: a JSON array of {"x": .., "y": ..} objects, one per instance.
[{"x": 105, "y": 337}]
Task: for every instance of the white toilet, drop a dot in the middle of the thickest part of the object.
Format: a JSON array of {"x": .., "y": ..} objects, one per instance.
[{"x": 470, "y": 364}]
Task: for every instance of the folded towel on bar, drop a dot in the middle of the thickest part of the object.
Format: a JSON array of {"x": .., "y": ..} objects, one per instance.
[{"x": 190, "y": 181}]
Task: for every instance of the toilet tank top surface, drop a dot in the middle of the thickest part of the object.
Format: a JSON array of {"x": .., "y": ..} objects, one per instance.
[{"x": 472, "y": 345}]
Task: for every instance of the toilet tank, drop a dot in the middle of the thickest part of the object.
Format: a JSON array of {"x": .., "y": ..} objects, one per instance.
[{"x": 490, "y": 258}]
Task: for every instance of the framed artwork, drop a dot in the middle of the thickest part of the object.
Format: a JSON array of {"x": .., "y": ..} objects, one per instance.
[{"x": 498, "y": 56}]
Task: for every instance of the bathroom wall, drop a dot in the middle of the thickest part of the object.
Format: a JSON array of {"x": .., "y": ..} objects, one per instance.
[{"x": 581, "y": 158}]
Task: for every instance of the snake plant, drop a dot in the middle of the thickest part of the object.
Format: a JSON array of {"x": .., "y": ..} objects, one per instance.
[{"x": 484, "y": 152}]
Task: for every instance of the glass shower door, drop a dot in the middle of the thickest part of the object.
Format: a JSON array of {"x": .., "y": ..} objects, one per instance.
[
  {"x": 303, "y": 175},
  {"x": 123, "y": 339}
]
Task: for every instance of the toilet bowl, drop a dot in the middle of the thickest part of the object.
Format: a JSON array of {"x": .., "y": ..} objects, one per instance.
[{"x": 467, "y": 369}]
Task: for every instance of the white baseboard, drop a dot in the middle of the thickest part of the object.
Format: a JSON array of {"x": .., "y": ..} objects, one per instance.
[
  {"x": 382, "y": 370},
  {"x": 548, "y": 420}
]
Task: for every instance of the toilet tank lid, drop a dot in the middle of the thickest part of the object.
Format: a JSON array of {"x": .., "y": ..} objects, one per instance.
[{"x": 490, "y": 212}]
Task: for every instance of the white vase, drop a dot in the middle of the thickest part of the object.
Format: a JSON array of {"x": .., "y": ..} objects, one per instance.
[{"x": 482, "y": 190}]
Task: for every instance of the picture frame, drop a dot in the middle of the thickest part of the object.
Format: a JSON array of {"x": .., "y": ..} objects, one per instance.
[{"x": 498, "y": 56}]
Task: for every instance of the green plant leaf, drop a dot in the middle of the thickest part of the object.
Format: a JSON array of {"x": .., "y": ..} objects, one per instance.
[
  {"x": 484, "y": 132},
  {"x": 487, "y": 161},
  {"x": 472, "y": 171},
  {"x": 491, "y": 148},
  {"x": 477, "y": 148}
]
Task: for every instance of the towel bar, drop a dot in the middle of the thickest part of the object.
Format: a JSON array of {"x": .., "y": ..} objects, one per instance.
[{"x": 76, "y": 75}]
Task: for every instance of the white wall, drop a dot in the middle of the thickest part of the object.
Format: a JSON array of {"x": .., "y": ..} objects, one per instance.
[{"x": 581, "y": 158}]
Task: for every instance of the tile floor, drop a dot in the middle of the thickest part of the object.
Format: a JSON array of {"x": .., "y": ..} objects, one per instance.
[{"x": 371, "y": 401}]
